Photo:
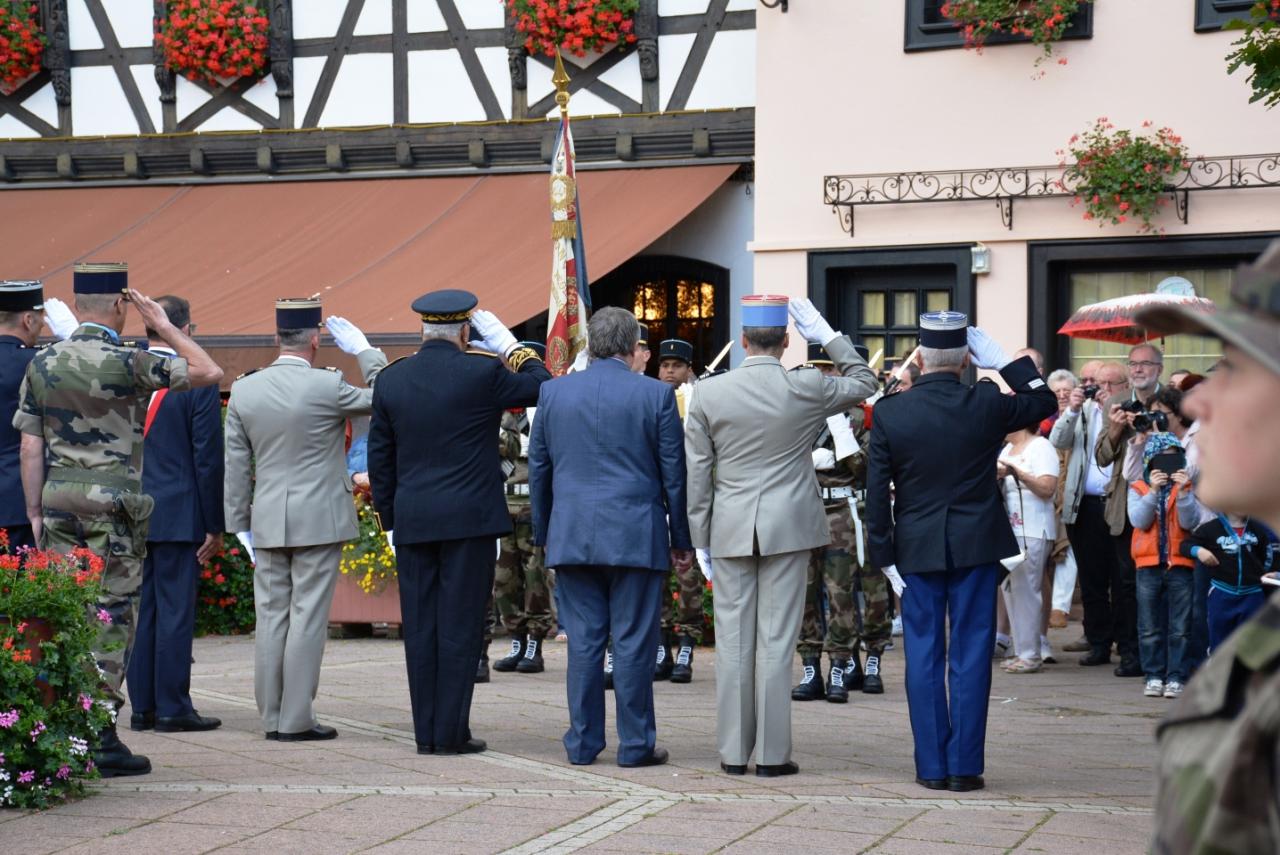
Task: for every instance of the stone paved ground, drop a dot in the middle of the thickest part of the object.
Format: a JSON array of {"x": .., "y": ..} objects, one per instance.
[{"x": 1068, "y": 771}]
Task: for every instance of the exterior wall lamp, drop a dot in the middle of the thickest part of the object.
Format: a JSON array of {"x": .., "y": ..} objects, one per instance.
[{"x": 981, "y": 254}]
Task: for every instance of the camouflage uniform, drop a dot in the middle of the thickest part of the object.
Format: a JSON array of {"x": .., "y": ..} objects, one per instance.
[
  {"x": 520, "y": 587},
  {"x": 689, "y": 618},
  {"x": 835, "y": 567},
  {"x": 1219, "y": 749},
  {"x": 87, "y": 397}
]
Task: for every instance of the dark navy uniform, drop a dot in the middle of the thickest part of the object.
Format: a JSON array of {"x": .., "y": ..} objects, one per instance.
[
  {"x": 946, "y": 531},
  {"x": 15, "y": 354},
  {"x": 437, "y": 481}
]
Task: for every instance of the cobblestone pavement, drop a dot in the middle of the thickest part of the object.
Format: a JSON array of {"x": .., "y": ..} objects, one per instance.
[{"x": 1069, "y": 759}]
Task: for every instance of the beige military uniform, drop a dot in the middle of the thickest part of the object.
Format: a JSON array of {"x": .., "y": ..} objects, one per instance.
[{"x": 287, "y": 482}]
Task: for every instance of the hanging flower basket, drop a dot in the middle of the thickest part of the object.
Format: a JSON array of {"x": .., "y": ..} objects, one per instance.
[
  {"x": 1119, "y": 175},
  {"x": 22, "y": 44},
  {"x": 1042, "y": 21},
  {"x": 215, "y": 40},
  {"x": 574, "y": 26}
]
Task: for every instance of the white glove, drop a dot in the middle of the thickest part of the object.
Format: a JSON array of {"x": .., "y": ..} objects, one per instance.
[
  {"x": 497, "y": 336},
  {"x": 479, "y": 345},
  {"x": 62, "y": 322},
  {"x": 246, "y": 540},
  {"x": 895, "y": 579},
  {"x": 390, "y": 542},
  {"x": 346, "y": 335},
  {"x": 986, "y": 353},
  {"x": 704, "y": 561},
  {"x": 824, "y": 459},
  {"x": 810, "y": 323},
  {"x": 842, "y": 432}
]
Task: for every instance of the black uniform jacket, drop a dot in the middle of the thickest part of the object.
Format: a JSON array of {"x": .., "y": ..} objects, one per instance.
[
  {"x": 937, "y": 444},
  {"x": 14, "y": 358},
  {"x": 183, "y": 467},
  {"x": 433, "y": 442}
]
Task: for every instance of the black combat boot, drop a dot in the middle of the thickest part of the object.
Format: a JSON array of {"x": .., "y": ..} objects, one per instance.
[
  {"x": 114, "y": 759},
  {"x": 837, "y": 692},
  {"x": 531, "y": 662},
  {"x": 512, "y": 659},
  {"x": 871, "y": 682},
  {"x": 682, "y": 672},
  {"x": 853, "y": 671},
  {"x": 664, "y": 665},
  {"x": 608, "y": 668},
  {"x": 482, "y": 669},
  {"x": 810, "y": 688}
]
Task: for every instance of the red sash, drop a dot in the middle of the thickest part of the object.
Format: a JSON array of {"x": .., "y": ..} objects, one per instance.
[{"x": 153, "y": 408}]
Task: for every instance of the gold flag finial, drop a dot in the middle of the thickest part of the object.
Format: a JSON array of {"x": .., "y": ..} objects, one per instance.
[{"x": 561, "y": 79}]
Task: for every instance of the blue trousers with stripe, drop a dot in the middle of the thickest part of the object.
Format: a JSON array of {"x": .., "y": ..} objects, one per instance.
[{"x": 949, "y": 680}]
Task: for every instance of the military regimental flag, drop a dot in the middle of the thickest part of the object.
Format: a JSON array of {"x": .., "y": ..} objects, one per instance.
[{"x": 570, "y": 294}]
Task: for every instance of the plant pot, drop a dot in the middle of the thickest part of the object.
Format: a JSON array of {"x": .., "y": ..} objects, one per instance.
[
  {"x": 352, "y": 605},
  {"x": 38, "y": 631}
]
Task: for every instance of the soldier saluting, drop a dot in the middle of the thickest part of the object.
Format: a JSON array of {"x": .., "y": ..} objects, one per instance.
[{"x": 83, "y": 403}]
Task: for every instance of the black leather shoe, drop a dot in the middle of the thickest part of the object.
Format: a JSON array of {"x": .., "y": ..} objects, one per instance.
[
  {"x": 192, "y": 721},
  {"x": 810, "y": 687},
  {"x": 471, "y": 746},
  {"x": 932, "y": 783},
  {"x": 273, "y": 735},
  {"x": 482, "y": 670},
  {"x": 732, "y": 769},
  {"x": 531, "y": 662},
  {"x": 1097, "y": 656},
  {"x": 142, "y": 721},
  {"x": 682, "y": 670},
  {"x": 788, "y": 768},
  {"x": 426, "y": 749},
  {"x": 872, "y": 684},
  {"x": 319, "y": 732},
  {"x": 657, "y": 758},
  {"x": 965, "y": 783},
  {"x": 114, "y": 759},
  {"x": 512, "y": 659},
  {"x": 836, "y": 691},
  {"x": 1128, "y": 667}
]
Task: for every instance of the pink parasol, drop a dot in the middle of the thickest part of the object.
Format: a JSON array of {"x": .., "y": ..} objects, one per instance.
[{"x": 1113, "y": 320}]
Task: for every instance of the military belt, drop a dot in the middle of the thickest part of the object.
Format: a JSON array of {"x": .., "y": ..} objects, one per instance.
[
  {"x": 72, "y": 475},
  {"x": 836, "y": 493},
  {"x": 517, "y": 489}
]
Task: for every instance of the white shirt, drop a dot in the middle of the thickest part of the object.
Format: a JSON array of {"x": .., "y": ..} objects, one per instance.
[
  {"x": 1096, "y": 478},
  {"x": 1030, "y": 515}
]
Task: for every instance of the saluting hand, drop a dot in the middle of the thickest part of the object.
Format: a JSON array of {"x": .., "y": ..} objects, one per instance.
[
  {"x": 61, "y": 320},
  {"x": 809, "y": 321},
  {"x": 493, "y": 331},
  {"x": 346, "y": 335},
  {"x": 152, "y": 313}
]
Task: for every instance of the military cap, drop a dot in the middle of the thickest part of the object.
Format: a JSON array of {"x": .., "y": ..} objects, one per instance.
[
  {"x": 100, "y": 278},
  {"x": 818, "y": 355},
  {"x": 676, "y": 348},
  {"x": 1251, "y": 321},
  {"x": 297, "y": 313},
  {"x": 537, "y": 347},
  {"x": 450, "y": 306},
  {"x": 944, "y": 330},
  {"x": 21, "y": 295},
  {"x": 764, "y": 310},
  {"x": 644, "y": 336}
]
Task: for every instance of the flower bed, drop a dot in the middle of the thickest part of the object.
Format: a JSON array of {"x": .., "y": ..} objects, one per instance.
[
  {"x": 574, "y": 26},
  {"x": 22, "y": 44},
  {"x": 215, "y": 40},
  {"x": 368, "y": 559},
  {"x": 1122, "y": 176},
  {"x": 51, "y": 708},
  {"x": 224, "y": 600}
]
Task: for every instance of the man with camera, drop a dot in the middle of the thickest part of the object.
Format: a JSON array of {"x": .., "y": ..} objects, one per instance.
[{"x": 1094, "y": 512}]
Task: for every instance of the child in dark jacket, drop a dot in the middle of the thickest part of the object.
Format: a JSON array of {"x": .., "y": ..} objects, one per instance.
[{"x": 1237, "y": 552}]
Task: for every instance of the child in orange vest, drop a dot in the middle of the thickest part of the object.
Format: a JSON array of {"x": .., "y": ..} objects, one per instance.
[{"x": 1162, "y": 509}]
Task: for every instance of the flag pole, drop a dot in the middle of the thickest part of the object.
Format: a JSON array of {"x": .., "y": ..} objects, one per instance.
[{"x": 561, "y": 80}]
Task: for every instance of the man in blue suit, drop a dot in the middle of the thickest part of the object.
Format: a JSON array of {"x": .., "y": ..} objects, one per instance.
[
  {"x": 183, "y": 449},
  {"x": 946, "y": 530},
  {"x": 607, "y": 484}
]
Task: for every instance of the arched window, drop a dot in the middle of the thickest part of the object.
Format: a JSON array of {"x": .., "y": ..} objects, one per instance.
[{"x": 676, "y": 298}]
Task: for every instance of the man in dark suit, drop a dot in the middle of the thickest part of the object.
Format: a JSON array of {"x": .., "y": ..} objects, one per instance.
[
  {"x": 437, "y": 481},
  {"x": 607, "y": 482},
  {"x": 182, "y": 441},
  {"x": 946, "y": 532}
]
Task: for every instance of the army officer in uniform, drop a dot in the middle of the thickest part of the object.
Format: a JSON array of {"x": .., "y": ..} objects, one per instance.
[{"x": 437, "y": 482}]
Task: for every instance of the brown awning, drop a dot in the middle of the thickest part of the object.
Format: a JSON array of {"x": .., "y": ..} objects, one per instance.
[{"x": 369, "y": 247}]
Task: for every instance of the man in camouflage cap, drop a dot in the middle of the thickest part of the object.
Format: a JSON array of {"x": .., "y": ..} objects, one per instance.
[
  {"x": 83, "y": 403},
  {"x": 1218, "y": 790}
]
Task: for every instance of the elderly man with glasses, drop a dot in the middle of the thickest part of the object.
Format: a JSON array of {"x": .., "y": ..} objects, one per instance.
[{"x": 1093, "y": 509}]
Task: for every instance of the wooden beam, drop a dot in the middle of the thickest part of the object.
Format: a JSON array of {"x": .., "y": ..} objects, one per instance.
[
  {"x": 333, "y": 157},
  {"x": 404, "y": 154},
  {"x": 266, "y": 161},
  {"x": 400, "y": 61},
  {"x": 476, "y": 153},
  {"x": 66, "y": 166},
  {"x": 470, "y": 61},
  {"x": 124, "y": 75},
  {"x": 199, "y": 165},
  {"x": 333, "y": 63},
  {"x": 697, "y": 55},
  {"x": 133, "y": 165}
]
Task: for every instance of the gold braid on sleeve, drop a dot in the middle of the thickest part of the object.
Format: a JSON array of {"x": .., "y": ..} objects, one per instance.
[{"x": 520, "y": 356}]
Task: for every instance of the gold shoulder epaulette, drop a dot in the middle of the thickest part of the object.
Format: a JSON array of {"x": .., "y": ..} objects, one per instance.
[
  {"x": 473, "y": 352},
  {"x": 394, "y": 361},
  {"x": 247, "y": 373},
  {"x": 520, "y": 356},
  {"x": 331, "y": 368}
]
